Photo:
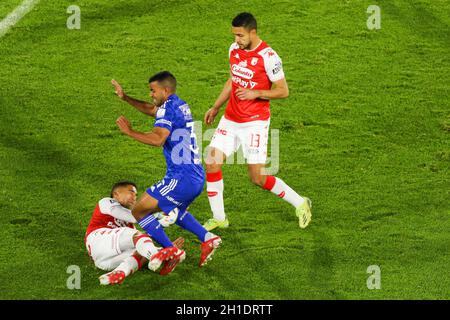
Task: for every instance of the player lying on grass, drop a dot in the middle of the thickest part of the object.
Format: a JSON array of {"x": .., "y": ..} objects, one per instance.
[
  {"x": 174, "y": 131},
  {"x": 256, "y": 77},
  {"x": 114, "y": 244}
]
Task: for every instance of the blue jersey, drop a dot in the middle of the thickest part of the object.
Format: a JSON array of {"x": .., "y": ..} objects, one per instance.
[{"x": 180, "y": 149}]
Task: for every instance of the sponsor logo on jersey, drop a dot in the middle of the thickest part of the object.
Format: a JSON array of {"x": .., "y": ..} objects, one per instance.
[
  {"x": 243, "y": 64},
  {"x": 242, "y": 72},
  {"x": 111, "y": 225},
  {"x": 161, "y": 112},
  {"x": 120, "y": 223},
  {"x": 277, "y": 68},
  {"x": 243, "y": 83},
  {"x": 186, "y": 111}
]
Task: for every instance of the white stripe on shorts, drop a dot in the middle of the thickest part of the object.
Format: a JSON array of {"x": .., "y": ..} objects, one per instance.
[
  {"x": 172, "y": 187},
  {"x": 173, "y": 183},
  {"x": 166, "y": 187}
]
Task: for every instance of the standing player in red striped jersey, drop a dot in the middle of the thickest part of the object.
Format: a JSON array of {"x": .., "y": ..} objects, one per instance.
[{"x": 256, "y": 77}]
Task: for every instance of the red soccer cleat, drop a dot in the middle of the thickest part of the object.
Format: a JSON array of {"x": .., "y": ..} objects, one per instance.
[
  {"x": 170, "y": 265},
  {"x": 208, "y": 248},
  {"x": 113, "y": 277},
  {"x": 162, "y": 255}
]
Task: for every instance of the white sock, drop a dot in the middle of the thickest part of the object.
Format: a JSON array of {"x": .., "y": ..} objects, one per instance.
[
  {"x": 214, "y": 187},
  {"x": 209, "y": 235},
  {"x": 128, "y": 266},
  {"x": 282, "y": 190},
  {"x": 145, "y": 246}
]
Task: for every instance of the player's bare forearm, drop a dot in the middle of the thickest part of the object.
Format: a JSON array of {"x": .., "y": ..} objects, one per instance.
[
  {"x": 142, "y": 106},
  {"x": 156, "y": 138},
  {"x": 149, "y": 138},
  {"x": 280, "y": 90},
  {"x": 224, "y": 95},
  {"x": 276, "y": 93}
]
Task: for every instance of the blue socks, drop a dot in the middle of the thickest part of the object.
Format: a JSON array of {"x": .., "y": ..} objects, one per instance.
[
  {"x": 189, "y": 223},
  {"x": 186, "y": 220},
  {"x": 152, "y": 226}
]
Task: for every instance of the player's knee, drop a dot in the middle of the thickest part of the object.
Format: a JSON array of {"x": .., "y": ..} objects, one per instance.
[
  {"x": 105, "y": 266},
  {"x": 214, "y": 160},
  {"x": 257, "y": 179}
]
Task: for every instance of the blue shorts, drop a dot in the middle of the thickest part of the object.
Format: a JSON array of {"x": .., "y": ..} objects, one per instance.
[{"x": 174, "y": 193}]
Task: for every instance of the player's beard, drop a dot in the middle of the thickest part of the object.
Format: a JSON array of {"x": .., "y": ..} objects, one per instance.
[
  {"x": 130, "y": 205},
  {"x": 157, "y": 102},
  {"x": 245, "y": 47}
]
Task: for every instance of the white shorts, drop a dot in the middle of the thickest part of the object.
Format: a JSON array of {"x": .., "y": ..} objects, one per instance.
[
  {"x": 252, "y": 136},
  {"x": 104, "y": 249}
]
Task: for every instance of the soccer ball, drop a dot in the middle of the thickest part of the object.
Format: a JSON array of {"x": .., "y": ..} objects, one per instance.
[{"x": 167, "y": 219}]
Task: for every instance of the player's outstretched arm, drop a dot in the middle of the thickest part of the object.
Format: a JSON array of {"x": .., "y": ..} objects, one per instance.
[
  {"x": 223, "y": 97},
  {"x": 156, "y": 138},
  {"x": 142, "y": 106}
]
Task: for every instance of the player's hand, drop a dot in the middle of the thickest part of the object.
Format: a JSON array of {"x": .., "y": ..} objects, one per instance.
[
  {"x": 179, "y": 242},
  {"x": 124, "y": 125},
  {"x": 119, "y": 91},
  {"x": 246, "y": 94},
  {"x": 210, "y": 115}
]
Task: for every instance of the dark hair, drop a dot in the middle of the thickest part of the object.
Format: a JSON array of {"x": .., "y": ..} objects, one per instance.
[
  {"x": 121, "y": 184},
  {"x": 166, "y": 79},
  {"x": 246, "y": 20}
]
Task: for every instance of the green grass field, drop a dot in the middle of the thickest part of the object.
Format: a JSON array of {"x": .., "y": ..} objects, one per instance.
[{"x": 365, "y": 133}]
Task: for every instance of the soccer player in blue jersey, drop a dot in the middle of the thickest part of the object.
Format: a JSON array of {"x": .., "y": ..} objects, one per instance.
[{"x": 174, "y": 131}]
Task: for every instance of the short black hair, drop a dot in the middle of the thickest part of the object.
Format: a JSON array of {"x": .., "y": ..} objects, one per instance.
[
  {"x": 246, "y": 20},
  {"x": 119, "y": 184},
  {"x": 166, "y": 79}
]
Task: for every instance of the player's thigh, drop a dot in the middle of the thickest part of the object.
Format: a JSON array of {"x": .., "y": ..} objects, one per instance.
[
  {"x": 215, "y": 155},
  {"x": 145, "y": 205},
  {"x": 104, "y": 244},
  {"x": 223, "y": 142},
  {"x": 254, "y": 138}
]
